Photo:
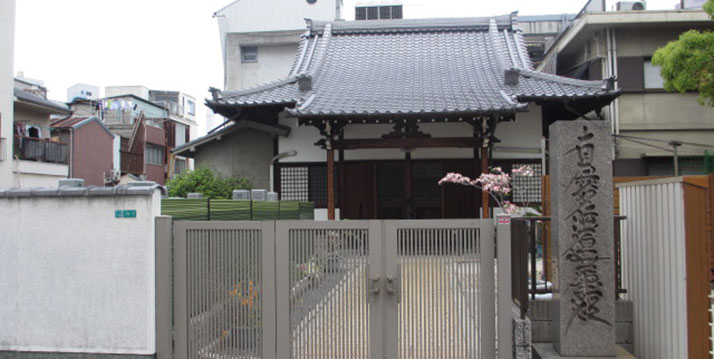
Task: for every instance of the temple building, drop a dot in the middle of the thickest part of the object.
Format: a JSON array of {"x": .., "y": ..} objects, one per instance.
[{"x": 374, "y": 112}]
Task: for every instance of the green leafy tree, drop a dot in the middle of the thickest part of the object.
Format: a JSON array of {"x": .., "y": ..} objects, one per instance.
[
  {"x": 203, "y": 180},
  {"x": 687, "y": 64}
]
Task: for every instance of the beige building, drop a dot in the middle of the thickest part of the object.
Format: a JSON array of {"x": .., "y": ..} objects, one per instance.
[{"x": 598, "y": 45}]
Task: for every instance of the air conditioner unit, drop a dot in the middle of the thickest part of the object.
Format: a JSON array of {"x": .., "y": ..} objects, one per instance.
[
  {"x": 630, "y": 6},
  {"x": 113, "y": 176}
]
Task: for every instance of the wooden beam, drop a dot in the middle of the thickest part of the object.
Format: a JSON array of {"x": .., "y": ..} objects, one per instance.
[
  {"x": 331, "y": 184},
  {"x": 432, "y": 142}
]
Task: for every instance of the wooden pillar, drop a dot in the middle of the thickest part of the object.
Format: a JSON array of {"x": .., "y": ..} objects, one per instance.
[
  {"x": 484, "y": 169},
  {"x": 331, "y": 184}
]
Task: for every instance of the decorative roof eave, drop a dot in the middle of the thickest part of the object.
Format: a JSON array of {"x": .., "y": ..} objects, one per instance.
[{"x": 424, "y": 117}]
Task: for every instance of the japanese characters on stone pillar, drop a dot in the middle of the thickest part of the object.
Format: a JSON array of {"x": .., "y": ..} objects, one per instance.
[{"x": 582, "y": 233}]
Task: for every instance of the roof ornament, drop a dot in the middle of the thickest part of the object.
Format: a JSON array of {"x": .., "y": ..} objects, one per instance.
[
  {"x": 511, "y": 76},
  {"x": 304, "y": 82}
]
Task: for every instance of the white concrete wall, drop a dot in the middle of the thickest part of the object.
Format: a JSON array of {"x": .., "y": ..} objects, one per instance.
[
  {"x": 75, "y": 279},
  {"x": 272, "y": 15},
  {"x": 274, "y": 62},
  {"x": 7, "y": 40}
]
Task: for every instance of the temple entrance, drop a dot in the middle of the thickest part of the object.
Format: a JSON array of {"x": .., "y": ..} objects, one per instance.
[{"x": 405, "y": 189}]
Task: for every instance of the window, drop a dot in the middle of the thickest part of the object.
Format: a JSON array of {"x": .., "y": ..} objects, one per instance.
[
  {"x": 154, "y": 155},
  {"x": 384, "y": 12},
  {"x": 360, "y": 13},
  {"x": 249, "y": 53},
  {"x": 397, "y": 12},
  {"x": 306, "y": 183},
  {"x": 372, "y": 13},
  {"x": 653, "y": 77},
  {"x": 179, "y": 165},
  {"x": 527, "y": 189},
  {"x": 191, "y": 107}
]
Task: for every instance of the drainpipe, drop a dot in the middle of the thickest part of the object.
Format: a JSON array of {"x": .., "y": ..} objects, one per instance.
[{"x": 272, "y": 165}]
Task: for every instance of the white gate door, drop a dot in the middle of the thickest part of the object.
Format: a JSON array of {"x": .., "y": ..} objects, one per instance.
[
  {"x": 339, "y": 289},
  {"x": 385, "y": 289}
]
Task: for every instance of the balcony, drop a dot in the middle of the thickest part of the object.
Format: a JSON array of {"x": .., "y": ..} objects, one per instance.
[{"x": 40, "y": 149}]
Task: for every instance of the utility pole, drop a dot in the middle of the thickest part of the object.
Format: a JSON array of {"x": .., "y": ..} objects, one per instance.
[{"x": 674, "y": 145}]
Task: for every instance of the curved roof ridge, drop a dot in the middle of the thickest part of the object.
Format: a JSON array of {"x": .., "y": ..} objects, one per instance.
[
  {"x": 411, "y": 25},
  {"x": 521, "y": 48},
  {"x": 601, "y": 84}
]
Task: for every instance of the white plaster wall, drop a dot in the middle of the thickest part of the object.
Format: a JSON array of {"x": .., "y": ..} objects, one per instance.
[
  {"x": 274, "y": 62},
  {"x": 7, "y": 38},
  {"x": 301, "y": 139},
  {"x": 75, "y": 279},
  {"x": 522, "y": 138}
]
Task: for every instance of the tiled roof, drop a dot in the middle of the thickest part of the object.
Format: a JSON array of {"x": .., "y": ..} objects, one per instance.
[
  {"x": 77, "y": 122},
  {"x": 52, "y": 106},
  {"x": 426, "y": 66},
  {"x": 137, "y": 189}
]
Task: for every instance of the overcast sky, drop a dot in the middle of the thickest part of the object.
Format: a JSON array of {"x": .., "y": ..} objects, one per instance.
[{"x": 174, "y": 44}]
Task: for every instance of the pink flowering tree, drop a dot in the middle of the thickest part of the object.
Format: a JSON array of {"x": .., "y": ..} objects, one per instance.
[{"x": 497, "y": 183}]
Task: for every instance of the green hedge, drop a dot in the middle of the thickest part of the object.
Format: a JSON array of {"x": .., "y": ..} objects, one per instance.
[{"x": 235, "y": 210}]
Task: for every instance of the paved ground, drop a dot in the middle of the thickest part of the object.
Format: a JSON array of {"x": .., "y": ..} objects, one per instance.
[{"x": 437, "y": 316}]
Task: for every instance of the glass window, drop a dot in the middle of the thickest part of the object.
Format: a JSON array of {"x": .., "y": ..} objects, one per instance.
[
  {"x": 653, "y": 77},
  {"x": 360, "y": 13},
  {"x": 154, "y": 155},
  {"x": 191, "y": 107},
  {"x": 249, "y": 53}
]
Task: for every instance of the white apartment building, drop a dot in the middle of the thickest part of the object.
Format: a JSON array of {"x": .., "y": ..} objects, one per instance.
[{"x": 259, "y": 37}]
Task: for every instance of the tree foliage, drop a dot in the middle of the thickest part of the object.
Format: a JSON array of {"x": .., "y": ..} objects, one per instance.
[
  {"x": 203, "y": 180},
  {"x": 687, "y": 64}
]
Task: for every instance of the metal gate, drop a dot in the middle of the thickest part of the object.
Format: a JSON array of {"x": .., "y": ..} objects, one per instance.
[{"x": 338, "y": 289}]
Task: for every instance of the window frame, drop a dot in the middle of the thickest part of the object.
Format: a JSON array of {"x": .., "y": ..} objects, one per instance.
[{"x": 244, "y": 50}]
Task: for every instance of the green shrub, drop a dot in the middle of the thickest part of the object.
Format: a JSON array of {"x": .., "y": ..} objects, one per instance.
[{"x": 205, "y": 181}]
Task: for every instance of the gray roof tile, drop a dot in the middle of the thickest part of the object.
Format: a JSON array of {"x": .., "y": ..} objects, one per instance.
[
  {"x": 144, "y": 188},
  {"x": 427, "y": 66}
]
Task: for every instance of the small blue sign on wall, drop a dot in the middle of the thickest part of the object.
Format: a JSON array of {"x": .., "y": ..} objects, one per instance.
[{"x": 125, "y": 213}]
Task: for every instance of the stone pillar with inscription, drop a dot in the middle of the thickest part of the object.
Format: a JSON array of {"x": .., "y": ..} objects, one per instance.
[{"x": 582, "y": 235}]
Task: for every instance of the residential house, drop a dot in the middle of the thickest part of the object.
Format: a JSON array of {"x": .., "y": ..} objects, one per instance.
[
  {"x": 648, "y": 120},
  {"x": 148, "y": 124},
  {"x": 7, "y": 29},
  {"x": 39, "y": 160},
  {"x": 182, "y": 127},
  {"x": 371, "y": 122},
  {"x": 90, "y": 148},
  {"x": 139, "y": 124},
  {"x": 82, "y": 91}
]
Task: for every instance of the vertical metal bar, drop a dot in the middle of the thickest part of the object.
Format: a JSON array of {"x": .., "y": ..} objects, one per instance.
[
  {"x": 283, "y": 292},
  {"x": 391, "y": 314},
  {"x": 376, "y": 308},
  {"x": 164, "y": 300},
  {"x": 487, "y": 299},
  {"x": 505, "y": 294},
  {"x": 268, "y": 295},
  {"x": 181, "y": 312}
]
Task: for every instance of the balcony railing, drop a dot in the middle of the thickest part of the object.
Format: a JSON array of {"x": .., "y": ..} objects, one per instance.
[
  {"x": 40, "y": 149},
  {"x": 132, "y": 163}
]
